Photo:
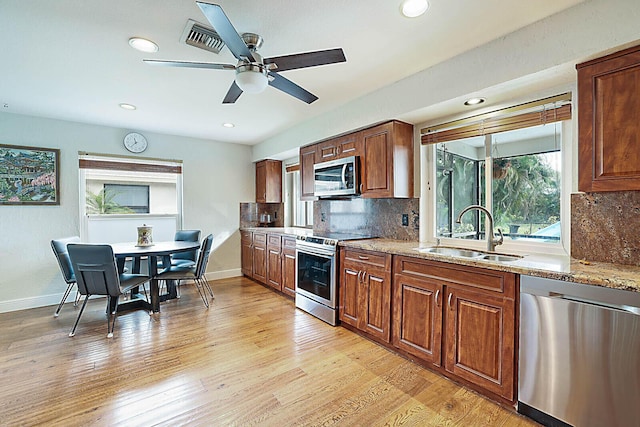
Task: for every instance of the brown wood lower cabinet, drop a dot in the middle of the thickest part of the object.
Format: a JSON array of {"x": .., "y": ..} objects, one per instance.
[
  {"x": 365, "y": 292},
  {"x": 289, "y": 266},
  {"x": 270, "y": 258},
  {"x": 459, "y": 319},
  {"x": 274, "y": 261},
  {"x": 260, "y": 256}
]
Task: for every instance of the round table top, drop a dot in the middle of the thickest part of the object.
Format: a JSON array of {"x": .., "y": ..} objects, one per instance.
[{"x": 157, "y": 249}]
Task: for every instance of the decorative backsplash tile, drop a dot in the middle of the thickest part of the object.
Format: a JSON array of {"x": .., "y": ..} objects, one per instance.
[
  {"x": 261, "y": 215},
  {"x": 376, "y": 217},
  {"x": 604, "y": 227}
]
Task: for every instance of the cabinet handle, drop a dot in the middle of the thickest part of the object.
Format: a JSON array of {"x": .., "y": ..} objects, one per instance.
[
  {"x": 359, "y": 273},
  {"x": 363, "y": 257},
  {"x": 438, "y": 298},
  {"x": 361, "y": 188},
  {"x": 364, "y": 276},
  {"x": 449, "y": 300}
]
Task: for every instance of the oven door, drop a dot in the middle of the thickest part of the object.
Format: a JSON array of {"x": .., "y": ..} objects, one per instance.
[{"x": 316, "y": 275}]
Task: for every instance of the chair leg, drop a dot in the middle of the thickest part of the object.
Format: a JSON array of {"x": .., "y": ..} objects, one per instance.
[
  {"x": 64, "y": 298},
  {"x": 208, "y": 286},
  {"x": 177, "y": 288},
  {"x": 78, "y": 296},
  {"x": 111, "y": 324},
  {"x": 201, "y": 292},
  {"x": 73, "y": 331}
]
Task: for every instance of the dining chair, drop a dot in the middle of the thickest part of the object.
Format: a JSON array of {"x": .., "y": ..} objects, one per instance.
[
  {"x": 59, "y": 247},
  {"x": 196, "y": 272},
  {"x": 186, "y": 258},
  {"x": 97, "y": 274}
]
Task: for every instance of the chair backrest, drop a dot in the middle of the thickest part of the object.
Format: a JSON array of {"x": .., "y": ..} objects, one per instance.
[
  {"x": 59, "y": 247},
  {"x": 203, "y": 258},
  {"x": 95, "y": 268},
  {"x": 186, "y": 236}
]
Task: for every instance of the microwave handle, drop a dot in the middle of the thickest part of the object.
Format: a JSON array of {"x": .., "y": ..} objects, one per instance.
[{"x": 344, "y": 176}]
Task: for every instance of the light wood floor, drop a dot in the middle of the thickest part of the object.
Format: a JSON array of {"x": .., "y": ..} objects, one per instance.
[{"x": 251, "y": 359}]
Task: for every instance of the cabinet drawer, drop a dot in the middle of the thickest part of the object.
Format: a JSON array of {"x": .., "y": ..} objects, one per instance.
[
  {"x": 260, "y": 239},
  {"x": 452, "y": 274},
  {"x": 274, "y": 241},
  {"x": 289, "y": 243},
  {"x": 365, "y": 257},
  {"x": 246, "y": 236}
]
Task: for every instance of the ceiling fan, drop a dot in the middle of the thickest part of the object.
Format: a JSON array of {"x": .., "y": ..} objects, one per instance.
[{"x": 253, "y": 72}]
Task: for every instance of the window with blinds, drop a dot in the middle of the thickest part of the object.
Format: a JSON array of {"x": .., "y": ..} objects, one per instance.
[{"x": 510, "y": 162}]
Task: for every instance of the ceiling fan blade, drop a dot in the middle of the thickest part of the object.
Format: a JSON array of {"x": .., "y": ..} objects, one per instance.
[
  {"x": 233, "y": 94},
  {"x": 226, "y": 31},
  {"x": 190, "y": 64},
  {"x": 289, "y": 87},
  {"x": 304, "y": 60}
]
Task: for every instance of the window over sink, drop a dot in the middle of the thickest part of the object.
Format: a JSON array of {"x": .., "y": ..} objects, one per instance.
[{"x": 513, "y": 166}]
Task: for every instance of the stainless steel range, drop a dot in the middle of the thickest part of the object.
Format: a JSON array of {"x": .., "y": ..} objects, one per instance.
[{"x": 317, "y": 275}]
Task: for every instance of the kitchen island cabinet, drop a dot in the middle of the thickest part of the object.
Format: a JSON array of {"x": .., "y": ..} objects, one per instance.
[
  {"x": 461, "y": 320},
  {"x": 365, "y": 292}
]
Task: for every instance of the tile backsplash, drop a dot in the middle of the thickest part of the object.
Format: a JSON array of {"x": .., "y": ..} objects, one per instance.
[
  {"x": 376, "y": 217},
  {"x": 261, "y": 215},
  {"x": 604, "y": 227}
]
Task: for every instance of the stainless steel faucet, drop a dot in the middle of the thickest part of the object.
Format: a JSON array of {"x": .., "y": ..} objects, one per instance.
[{"x": 491, "y": 242}]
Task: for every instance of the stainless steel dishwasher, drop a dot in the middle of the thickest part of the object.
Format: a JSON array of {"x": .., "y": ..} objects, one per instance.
[{"x": 579, "y": 354}]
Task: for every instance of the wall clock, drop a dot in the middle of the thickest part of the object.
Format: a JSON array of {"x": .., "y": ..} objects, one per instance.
[{"x": 135, "y": 142}]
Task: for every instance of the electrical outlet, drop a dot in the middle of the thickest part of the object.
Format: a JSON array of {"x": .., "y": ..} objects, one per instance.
[
  {"x": 405, "y": 220},
  {"x": 323, "y": 217}
]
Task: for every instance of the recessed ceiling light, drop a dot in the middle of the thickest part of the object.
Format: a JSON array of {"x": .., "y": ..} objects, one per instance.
[
  {"x": 228, "y": 125},
  {"x": 127, "y": 106},
  {"x": 414, "y": 8},
  {"x": 143, "y": 45},
  {"x": 474, "y": 101}
]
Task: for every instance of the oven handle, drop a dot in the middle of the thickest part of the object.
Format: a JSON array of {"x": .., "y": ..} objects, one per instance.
[{"x": 315, "y": 251}]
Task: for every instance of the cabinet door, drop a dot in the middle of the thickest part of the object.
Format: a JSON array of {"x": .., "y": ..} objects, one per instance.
[
  {"x": 349, "y": 302},
  {"x": 608, "y": 125},
  {"x": 338, "y": 148},
  {"x": 480, "y": 337},
  {"x": 261, "y": 182},
  {"x": 417, "y": 317},
  {"x": 377, "y": 162},
  {"x": 274, "y": 261},
  {"x": 289, "y": 273},
  {"x": 247, "y": 254},
  {"x": 307, "y": 160},
  {"x": 376, "y": 310},
  {"x": 260, "y": 257}
]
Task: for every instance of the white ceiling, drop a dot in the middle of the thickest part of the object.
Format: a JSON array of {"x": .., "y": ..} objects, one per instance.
[{"x": 70, "y": 60}]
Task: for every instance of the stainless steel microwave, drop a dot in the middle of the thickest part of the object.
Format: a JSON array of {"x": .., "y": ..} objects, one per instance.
[{"x": 336, "y": 177}]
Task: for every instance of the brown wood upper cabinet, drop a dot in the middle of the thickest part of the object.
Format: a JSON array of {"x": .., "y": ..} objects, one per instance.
[
  {"x": 365, "y": 292},
  {"x": 307, "y": 160},
  {"x": 459, "y": 319},
  {"x": 386, "y": 159},
  {"x": 269, "y": 181},
  {"x": 608, "y": 124}
]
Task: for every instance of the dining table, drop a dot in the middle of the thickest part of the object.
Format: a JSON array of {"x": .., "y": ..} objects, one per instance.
[{"x": 153, "y": 252}]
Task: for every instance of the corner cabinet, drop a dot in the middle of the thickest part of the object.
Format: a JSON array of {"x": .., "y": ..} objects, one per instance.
[
  {"x": 386, "y": 159},
  {"x": 365, "y": 292},
  {"x": 608, "y": 122},
  {"x": 461, "y": 320},
  {"x": 269, "y": 181}
]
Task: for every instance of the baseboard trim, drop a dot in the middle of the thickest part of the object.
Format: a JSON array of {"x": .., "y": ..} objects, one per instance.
[{"x": 54, "y": 299}]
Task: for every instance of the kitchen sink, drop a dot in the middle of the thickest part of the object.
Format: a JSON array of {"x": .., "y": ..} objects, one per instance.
[
  {"x": 501, "y": 258},
  {"x": 470, "y": 254},
  {"x": 455, "y": 252}
]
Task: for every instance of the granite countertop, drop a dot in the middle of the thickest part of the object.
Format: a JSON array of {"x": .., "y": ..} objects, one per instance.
[
  {"x": 288, "y": 231},
  {"x": 625, "y": 277}
]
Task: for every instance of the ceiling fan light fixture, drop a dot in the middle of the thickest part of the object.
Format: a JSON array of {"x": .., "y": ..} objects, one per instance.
[
  {"x": 414, "y": 8},
  {"x": 143, "y": 45},
  {"x": 252, "y": 78}
]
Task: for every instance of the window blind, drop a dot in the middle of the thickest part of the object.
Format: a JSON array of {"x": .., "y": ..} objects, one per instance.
[
  {"x": 88, "y": 163},
  {"x": 548, "y": 110}
]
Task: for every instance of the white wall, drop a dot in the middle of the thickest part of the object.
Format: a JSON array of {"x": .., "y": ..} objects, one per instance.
[{"x": 217, "y": 177}]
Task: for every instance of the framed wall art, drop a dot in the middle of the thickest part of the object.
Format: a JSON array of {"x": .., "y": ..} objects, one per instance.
[{"x": 29, "y": 175}]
